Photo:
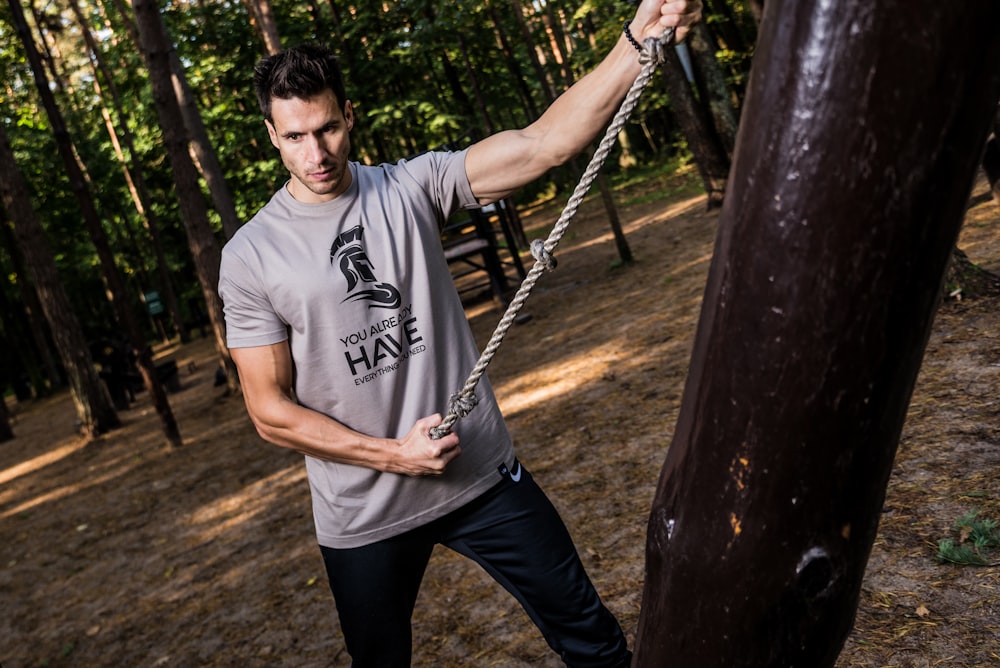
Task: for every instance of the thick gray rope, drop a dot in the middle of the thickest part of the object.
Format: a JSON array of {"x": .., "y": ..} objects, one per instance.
[{"x": 463, "y": 401}]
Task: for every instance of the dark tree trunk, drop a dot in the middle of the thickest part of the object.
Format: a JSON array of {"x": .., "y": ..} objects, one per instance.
[
  {"x": 991, "y": 159},
  {"x": 699, "y": 131},
  {"x": 991, "y": 165},
  {"x": 713, "y": 90},
  {"x": 470, "y": 73},
  {"x": 202, "y": 151},
  {"x": 94, "y": 408},
  {"x": 860, "y": 138},
  {"x": 6, "y": 431},
  {"x": 35, "y": 315},
  {"x": 458, "y": 94},
  {"x": 158, "y": 53},
  {"x": 610, "y": 208}
]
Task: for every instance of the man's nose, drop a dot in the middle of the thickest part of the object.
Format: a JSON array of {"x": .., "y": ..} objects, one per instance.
[{"x": 315, "y": 150}]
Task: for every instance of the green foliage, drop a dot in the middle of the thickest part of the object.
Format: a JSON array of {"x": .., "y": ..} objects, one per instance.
[
  {"x": 421, "y": 73},
  {"x": 975, "y": 543}
]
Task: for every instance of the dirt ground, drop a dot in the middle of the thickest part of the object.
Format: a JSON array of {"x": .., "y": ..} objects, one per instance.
[{"x": 126, "y": 553}]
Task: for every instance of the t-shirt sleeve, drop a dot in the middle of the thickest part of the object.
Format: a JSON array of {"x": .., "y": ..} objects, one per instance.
[
  {"x": 250, "y": 317},
  {"x": 442, "y": 175},
  {"x": 457, "y": 174}
]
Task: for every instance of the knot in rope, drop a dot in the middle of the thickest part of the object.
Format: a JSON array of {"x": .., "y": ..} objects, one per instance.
[
  {"x": 542, "y": 255},
  {"x": 654, "y": 48},
  {"x": 463, "y": 404},
  {"x": 460, "y": 404}
]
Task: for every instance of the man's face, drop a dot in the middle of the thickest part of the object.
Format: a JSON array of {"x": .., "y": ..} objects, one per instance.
[{"x": 314, "y": 138}]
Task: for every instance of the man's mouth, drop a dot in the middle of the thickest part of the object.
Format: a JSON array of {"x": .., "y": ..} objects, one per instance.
[{"x": 322, "y": 174}]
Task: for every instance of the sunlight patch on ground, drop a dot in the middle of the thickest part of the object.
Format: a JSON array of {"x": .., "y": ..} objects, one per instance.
[
  {"x": 681, "y": 268},
  {"x": 41, "y": 461},
  {"x": 94, "y": 479},
  {"x": 682, "y": 207},
  {"x": 551, "y": 380},
  {"x": 250, "y": 501}
]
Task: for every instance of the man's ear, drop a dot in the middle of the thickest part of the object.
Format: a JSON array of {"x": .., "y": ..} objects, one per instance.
[
  {"x": 271, "y": 132},
  {"x": 349, "y": 114}
]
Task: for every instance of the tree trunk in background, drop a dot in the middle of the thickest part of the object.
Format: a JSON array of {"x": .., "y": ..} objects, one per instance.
[
  {"x": 158, "y": 54},
  {"x": 610, "y": 208},
  {"x": 132, "y": 170},
  {"x": 88, "y": 212},
  {"x": 6, "y": 431},
  {"x": 473, "y": 80},
  {"x": 202, "y": 152},
  {"x": 265, "y": 25},
  {"x": 347, "y": 54},
  {"x": 699, "y": 131},
  {"x": 541, "y": 76},
  {"x": 860, "y": 142},
  {"x": 18, "y": 335},
  {"x": 35, "y": 314},
  {"x": 713, "y": 91},
  {"x": 517, "y": 74},
  {"x": 94, "y": 408},
  {"x": 991, "y": 159},
  {"x": 557, "y": 44},
  {"x": 457, "y": 90}
]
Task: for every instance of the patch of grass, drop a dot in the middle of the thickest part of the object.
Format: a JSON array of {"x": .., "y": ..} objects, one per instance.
[{"x": 976, "y": 539}]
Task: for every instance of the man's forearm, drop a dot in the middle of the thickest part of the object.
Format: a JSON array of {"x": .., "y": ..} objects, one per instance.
[{"x": 314, "y": 434}]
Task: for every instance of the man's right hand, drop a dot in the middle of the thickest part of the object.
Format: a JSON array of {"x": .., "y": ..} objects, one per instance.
[{"x": 420, "y": 455}]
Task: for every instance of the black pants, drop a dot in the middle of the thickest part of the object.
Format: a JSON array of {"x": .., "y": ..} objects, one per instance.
[{"x": 513, "y": 532}]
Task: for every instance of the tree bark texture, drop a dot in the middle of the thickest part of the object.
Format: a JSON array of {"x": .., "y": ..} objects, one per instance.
[
  {"x": 201, "y": 149},
  {"x": 861, "y": 134},
  {"x": 94, "y": 408},
  {"x": 158, "y": 54},
  {"x": 713, "y": 90},
  {"x": 698, "y": 129}
]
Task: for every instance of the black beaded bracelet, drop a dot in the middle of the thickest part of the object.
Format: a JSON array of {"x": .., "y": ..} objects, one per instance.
[{"x": 631, "y": 40}]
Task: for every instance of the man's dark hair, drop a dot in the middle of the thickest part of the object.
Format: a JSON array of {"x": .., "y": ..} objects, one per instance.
[{"x": 299, "y": 72}]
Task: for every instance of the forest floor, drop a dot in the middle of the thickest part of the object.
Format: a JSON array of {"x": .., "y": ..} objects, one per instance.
[{"x": 123, "y": 552}]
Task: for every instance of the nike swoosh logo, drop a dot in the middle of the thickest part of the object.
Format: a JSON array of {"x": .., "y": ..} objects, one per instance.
[{"x": 515, "y": 474}]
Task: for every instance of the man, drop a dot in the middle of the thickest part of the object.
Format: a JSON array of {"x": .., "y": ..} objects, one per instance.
[{"x": 349, "y": 338}]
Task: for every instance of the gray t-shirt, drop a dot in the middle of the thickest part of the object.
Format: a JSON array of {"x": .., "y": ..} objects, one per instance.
[{"x": 360, "y": 288}]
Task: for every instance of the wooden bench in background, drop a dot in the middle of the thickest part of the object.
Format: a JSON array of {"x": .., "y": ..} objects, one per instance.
[{"x": 471, "y": 245}]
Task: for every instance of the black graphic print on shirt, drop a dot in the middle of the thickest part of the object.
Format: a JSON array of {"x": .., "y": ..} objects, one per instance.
[
  {"x": 379, "y": 347},
  {"x": 362, "y": 284}
]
